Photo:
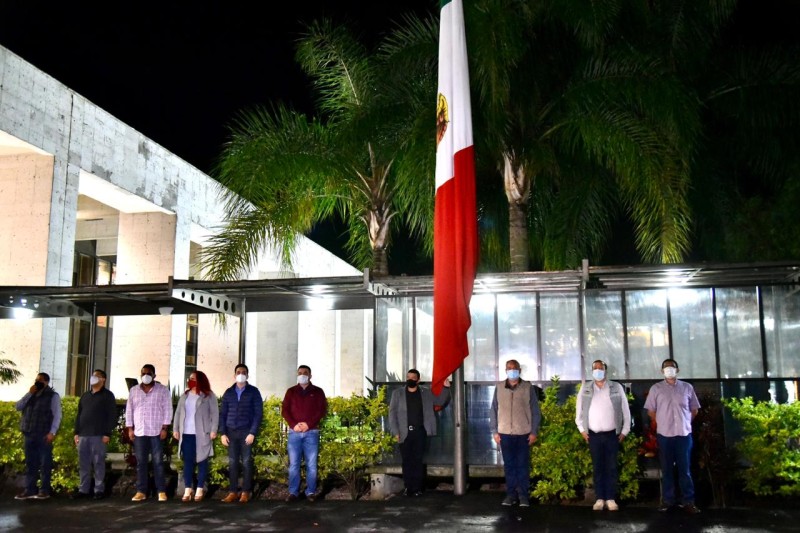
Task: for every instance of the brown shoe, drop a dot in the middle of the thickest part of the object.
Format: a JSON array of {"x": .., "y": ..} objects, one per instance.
[
  {"x": 245, "y": 497},
  {"x": 231, "y": 497}
]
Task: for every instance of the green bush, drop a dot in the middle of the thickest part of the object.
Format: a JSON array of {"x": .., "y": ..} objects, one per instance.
[
  {"x": 351, "y": 439},
  {"x": 770, "y": 446},
  {"x": 12, "y": 451},
  {"x": 560, "y": 460}
]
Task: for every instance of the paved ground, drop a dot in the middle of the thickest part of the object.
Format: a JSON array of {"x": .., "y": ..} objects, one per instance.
[{"x": 435, "y": 511}]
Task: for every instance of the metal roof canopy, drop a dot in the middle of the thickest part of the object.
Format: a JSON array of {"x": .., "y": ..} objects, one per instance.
[{"x": 359, "y": 292}]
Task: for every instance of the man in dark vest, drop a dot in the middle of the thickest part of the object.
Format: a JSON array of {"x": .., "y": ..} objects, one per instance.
[{"x": 41, "y": 416}]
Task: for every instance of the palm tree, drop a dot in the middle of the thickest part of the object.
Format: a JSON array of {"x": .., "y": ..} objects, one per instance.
[
  {"x": 8, "y": 372},
  {"x": 283, "y": 172}
]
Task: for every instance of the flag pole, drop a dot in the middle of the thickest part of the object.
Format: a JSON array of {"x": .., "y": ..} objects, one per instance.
[{"x": 459, "y": 448}]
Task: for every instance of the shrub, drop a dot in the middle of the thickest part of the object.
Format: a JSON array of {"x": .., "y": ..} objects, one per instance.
[{"x": 770, "y": 446}]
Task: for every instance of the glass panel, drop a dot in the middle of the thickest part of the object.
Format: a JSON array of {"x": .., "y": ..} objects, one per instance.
[
  {"x": 103, "y": 272},
  {"x": 647, "y": 333},
  {"x": 516, "y": 332},
  {"x": 693, "y": 332},
  {"x": 782, "y": 330},
  {"x": 392, "y": 336},
  {"x": 481, "y": 365},
  {"x": 424, "y": 316},
  {"x": 604, "y": 334},
  {"x": 739, "y": 333},
  {"x": 561, "y": 354}
]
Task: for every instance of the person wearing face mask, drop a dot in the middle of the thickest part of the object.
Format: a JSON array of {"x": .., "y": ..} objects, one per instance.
[
  {"x": 673, "y": 404},
  {"x": 94, "y": 423},
  {"x": 239, "y": 420},
  {"x": 514, "y": 420},
  {"x": 304, "y": 406},
  {"x": 411, "y": 421},
  {"x": 148, "y": 415},
  {"x": 195, "y": 428},
  {"x": 41, "y": 416},
  {"x": 603, "y": 417}
]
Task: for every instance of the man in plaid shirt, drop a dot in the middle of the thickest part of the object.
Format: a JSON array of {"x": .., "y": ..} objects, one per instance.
[{"x": 147, "y": 416}]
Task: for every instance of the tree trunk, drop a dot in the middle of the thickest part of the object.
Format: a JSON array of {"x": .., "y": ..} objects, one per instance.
[
  {"x": 380, "y": 262},
  {"x": 518, "y": 193}
]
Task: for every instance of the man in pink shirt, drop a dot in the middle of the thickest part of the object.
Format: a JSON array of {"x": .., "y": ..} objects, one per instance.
[{"x": 148, "y": 415}]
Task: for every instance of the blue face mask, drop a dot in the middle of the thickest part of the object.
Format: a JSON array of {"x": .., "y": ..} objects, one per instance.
[
  {"x": 512, "y": 374},
  {"x": 598, "y": 374}
]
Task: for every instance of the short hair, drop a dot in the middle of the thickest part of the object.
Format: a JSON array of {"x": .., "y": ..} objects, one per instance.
[
  {"x": 101, "y": 372},
  {"x": 241, "y": 365},
  {"x": 306, "y": 367},
  {"x": 45, "y": 376},
  {"x": 514, "y": 362},
  {"x": 150, "y": 367},
  {"x": 605, "y": 366},
  {"x": 413, "y": 371},
  {"x": 673, "y": 361}
]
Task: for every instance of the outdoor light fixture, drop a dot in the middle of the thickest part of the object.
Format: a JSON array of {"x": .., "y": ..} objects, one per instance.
[{"x": 165, "y": 311}]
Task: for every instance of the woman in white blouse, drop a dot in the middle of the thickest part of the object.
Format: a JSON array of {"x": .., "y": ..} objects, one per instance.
[{"x": 195, "y": 428}]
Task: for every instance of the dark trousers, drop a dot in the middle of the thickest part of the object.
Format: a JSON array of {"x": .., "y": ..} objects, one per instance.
[
  {"x": 189, "y": 455},
  {"x": 604, "y": 447},
  {"x": 516, "y": 464},
  {"x": 238, "y": 450},
  {"x": 676, "y": 452},
  {"x": 149, "y": 446},
  {"x": 412, "y": 451},
  {"x": 38, "y": 460}
]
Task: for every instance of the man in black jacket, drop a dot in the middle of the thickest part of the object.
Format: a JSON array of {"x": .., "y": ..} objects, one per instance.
[
  {"x": 96, "y": 419},
  {"x": 41, "y": 416}
]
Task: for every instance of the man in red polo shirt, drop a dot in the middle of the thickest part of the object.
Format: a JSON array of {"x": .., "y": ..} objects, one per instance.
[{"x": 304, "y": 406}]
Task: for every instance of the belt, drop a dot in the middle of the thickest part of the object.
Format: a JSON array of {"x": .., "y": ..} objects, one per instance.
[{"x": 413, "y": 428}]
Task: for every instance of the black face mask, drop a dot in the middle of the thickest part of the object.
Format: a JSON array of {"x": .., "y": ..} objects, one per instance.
[
  {"x": 38, "y": 384},
  {"x": 411, "y": 383}
]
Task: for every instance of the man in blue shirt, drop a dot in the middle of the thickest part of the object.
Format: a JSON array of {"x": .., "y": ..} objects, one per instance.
[{"x": 239, "y": 419}]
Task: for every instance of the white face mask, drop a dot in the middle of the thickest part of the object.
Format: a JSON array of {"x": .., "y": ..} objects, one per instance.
[
  {"x": 670, "y": 372},
  {"x": 94, "y": 380},
  {"x": 302, "y": 380},
  {"x": 598, "y": 374},
  {"x": 241, "y": 378},
  {"x": 147, "y": 379}
]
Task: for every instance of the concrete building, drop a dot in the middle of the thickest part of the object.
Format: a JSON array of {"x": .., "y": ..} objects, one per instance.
[{"x": 87, "y": 200}]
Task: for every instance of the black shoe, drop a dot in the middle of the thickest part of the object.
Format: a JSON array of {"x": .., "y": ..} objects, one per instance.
[
  {"x": 690, "y": 508},
  {"x": 418, "y": 493},
  {"x": 25, "y": 496},
  {"x": 291, "y": 498},
  {"x": 665, "y": 507},
  {"x": 99, "y": 495},
  {"x": 311, "y": 497},
  {"x": 78, "y": 495}
]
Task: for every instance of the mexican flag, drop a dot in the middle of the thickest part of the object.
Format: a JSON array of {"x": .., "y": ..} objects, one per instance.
[{"x": 455, "y": 233}]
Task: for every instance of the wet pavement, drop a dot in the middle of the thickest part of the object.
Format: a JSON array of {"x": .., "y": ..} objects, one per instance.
[{"x": 434, "y": 511}]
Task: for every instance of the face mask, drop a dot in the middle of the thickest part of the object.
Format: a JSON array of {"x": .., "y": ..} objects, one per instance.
[
  {"x": 38, "y": 384},
  {"x": 598, "y": 374},
  {"x": 411, "y": 383},
  {"x": 147, "y": 379},
  {"x": 302, "y": 380},
  {"x": 512, "y": 374},
  {"x": 192, "y": 383},
  {"x": 670, "y": 372},
  {"x": 94, "y": 380},
  {"x": 241, "y": 378}
]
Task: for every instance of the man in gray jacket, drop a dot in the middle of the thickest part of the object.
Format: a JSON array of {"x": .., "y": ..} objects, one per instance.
[
  {"x": 411, "y": 420},
  {"x": 603, "y": 417},
  {"x": 514, "y": 419}
]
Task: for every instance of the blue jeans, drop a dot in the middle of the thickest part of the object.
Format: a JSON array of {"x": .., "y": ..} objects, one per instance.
[
  {"x": 149, "y": 446},
  {"x": 38, "y": 458},
  {"x": 189, "y": 455},
  {"x": 676, "y": 451},
  {"x": 238, "y": 449},
  {"x": 92, "y": 455},
  {"x": 604, "y": 447},
  {"x": 516, "y": 464},
  {"x": 303, "y": 445}
]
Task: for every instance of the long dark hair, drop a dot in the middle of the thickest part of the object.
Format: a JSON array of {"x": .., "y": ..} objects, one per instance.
[{"x": 203, "y": 385}]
